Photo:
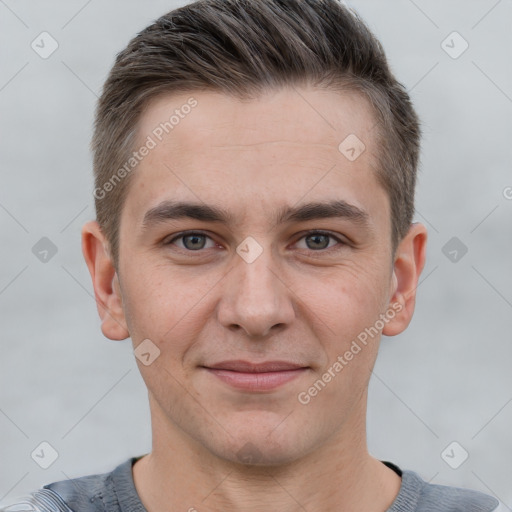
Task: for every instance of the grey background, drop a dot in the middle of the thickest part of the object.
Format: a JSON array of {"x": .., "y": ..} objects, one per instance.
[{"x": 447, "y": 378}]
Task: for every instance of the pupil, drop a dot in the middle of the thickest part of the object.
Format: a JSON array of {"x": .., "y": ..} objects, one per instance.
[
  {"x": 194, "y": 239},
  {"x": 316, "y": 240}
]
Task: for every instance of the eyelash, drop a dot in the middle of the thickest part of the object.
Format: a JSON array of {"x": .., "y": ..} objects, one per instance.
[{"x": 305, "y": 235}]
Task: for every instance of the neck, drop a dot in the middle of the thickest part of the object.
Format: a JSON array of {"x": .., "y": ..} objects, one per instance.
[{"x": 180, "y": 474}]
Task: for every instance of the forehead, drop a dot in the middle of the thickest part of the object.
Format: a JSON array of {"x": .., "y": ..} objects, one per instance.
[
  {"x": 269, "y": 151},
  {"x": 296, "y": 115}
]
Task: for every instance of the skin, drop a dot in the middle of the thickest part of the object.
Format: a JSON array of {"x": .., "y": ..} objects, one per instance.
[{"x": 303, "y": 299}]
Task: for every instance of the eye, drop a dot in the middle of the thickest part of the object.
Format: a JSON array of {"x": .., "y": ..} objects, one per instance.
[
  {"x": 191, "y": 241},
  {"x": 319, "y": 240},
  {"x": 194, "y": 241}
]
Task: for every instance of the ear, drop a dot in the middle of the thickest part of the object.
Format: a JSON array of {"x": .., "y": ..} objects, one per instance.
[
  {"x": 105, "y": 281},
  {"x": 409, "y": 262}
]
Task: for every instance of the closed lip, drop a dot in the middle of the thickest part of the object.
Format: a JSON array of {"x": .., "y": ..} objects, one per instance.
[{"x": 249, "y": 367}]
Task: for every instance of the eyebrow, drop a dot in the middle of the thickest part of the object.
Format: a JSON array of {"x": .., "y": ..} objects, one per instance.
[{"x": 172, "y": 210}]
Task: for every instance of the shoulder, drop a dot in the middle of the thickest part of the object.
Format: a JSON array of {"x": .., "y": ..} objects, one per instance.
[
  {"x": 83, "y": 494},
  {"x": 91, "y": 493},
  {"x": 421, "y": 496}
]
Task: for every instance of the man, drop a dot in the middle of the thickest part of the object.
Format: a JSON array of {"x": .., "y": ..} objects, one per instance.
[{"x": 255, "y": 165}]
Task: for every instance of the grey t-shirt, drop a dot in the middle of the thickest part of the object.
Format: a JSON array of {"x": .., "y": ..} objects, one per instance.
[{"x": 115, "y": 492}]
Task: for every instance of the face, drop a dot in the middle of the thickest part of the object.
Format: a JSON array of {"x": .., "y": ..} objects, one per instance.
[{"x": 255, "y": 266}]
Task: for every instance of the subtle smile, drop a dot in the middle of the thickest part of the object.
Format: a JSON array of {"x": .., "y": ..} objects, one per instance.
[{"x": 256, "y": 376}]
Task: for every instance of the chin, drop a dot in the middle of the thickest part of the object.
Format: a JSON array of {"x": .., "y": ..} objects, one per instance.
[
  {"x": 263, "y": 454},
  {"x": 262, "y": 443}
]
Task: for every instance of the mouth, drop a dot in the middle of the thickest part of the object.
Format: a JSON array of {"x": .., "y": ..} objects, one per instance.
[{"x": 256, "y": 377}]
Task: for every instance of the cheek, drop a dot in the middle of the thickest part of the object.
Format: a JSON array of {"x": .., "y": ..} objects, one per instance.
[
  {"x": 343, "y": 302},
  {"x": 166, "y": 307},
  {"x": 344, "y": 313},
  {"x": 147, "y": 308},
  {"x": 148, "y": 303}
]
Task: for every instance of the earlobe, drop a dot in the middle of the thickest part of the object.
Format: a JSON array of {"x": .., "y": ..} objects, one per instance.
[
  {"x": 105, "y": 281},
  {"x": 407, "y": 268}
]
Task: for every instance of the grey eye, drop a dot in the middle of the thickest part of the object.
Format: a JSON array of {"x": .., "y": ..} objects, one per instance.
[
  {"x": 317, "y": 241},
  {"x": 194, "y": 242}
]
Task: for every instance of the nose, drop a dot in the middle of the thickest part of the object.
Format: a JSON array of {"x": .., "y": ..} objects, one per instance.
[{"x": 256, "y": 298}]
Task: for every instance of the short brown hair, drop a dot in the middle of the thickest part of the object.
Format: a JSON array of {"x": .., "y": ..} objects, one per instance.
[{"x": 242, "y": 48}]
